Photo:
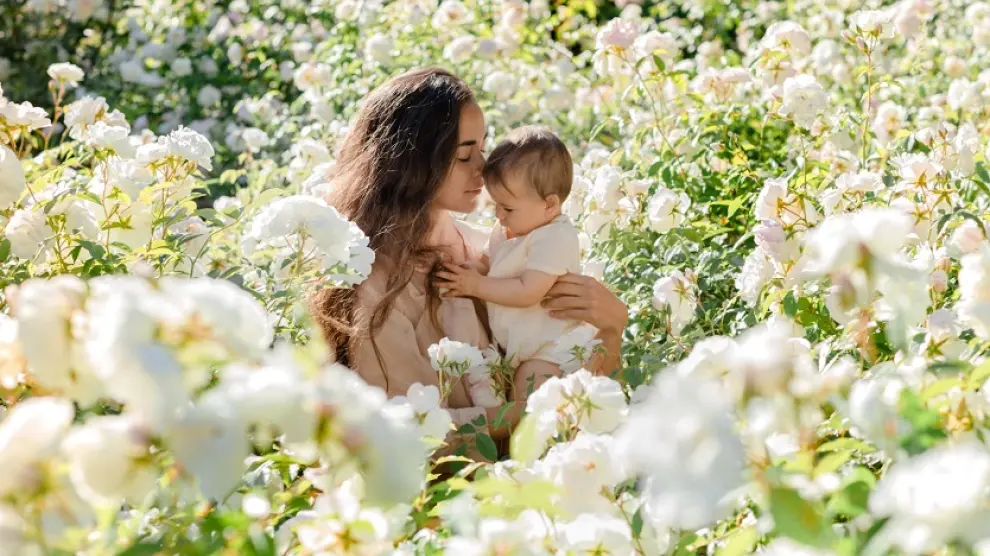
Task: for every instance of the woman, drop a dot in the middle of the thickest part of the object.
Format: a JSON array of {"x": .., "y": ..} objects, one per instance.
[{"x": 412, "y": 158}]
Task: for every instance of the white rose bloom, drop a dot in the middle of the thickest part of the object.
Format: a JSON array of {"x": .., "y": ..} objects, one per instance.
[
  {"x": 12, "y": 359},
  {"x": 596, "y": 534},
  {"x": 310, "y": 76},
  {"x": 860, "y": 182},
  {"x": 379, "y": 48},
  {"x": 772, "y": 239},
  {"x": 235, "y": 53},
  {"x": 617, "y": 33},
  {"x": 388, "y": 450},
  {"x": 30, "y": 434},
  {"x": 804, "y": 99},
  {"x": 695, "y": 461},
  {"x": 186, "y": 143},
  {"x": 889, "y": 120},
  {"x": 115, "y": 138},
  {"x": 255, "y": 139},
  {"x": 423, "y": 403},
  {"x": 274, "y": 397},
  {"x": 329, "y": 237},
  {"x": 974, "y": 289},
  {"x": 756, "y": 272},
  {"x": 82, "y": 10},
  {"x": 572, "y": 350},
  {"x": 70, "y": 74},
  {"x": 150, "y": 153},
  {"x": 788, "y": 36},
  {"x": 449, "y": 353},
  {"x": 228, "y": 315},
  {"x": 654, "y": 43},
  {"x": 182, "y": 67},
  {"x": 451, "y": 13},
  {"x": 27, "y": 232},
  {"x": 666, "y": 209},
  {"x": 581, "y": 469},
  {"x": 460, "y": 49},
  {"x": 608, "y": 407},
  {"x": 138, "y": 218},
  {"x": 209, "y": 96},
  {"x": 676, "y": 293},
  {"x": 46, "y": 311},
  {"x": 967, "y": 238},
  {"x": 107, "y": 461},
  {"x": 128, "y": 176},
  {"x": 873, "y": 410},
  {"x": 210, "y": 443},
  {"x": 933, "y": 498},
  {"x": 964, "y": 94},
  {"x": 12, "y": 182},
  {"x": 874, "y": 23},
  {"x": 770, "y": 199},
  {"x": 24, "y": 114},
  {"x": 839, "y": 241},
  {"x": 501, "y": 84}
]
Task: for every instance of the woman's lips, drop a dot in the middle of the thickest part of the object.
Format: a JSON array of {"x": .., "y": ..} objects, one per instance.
[{"x": 473, "y": 191}]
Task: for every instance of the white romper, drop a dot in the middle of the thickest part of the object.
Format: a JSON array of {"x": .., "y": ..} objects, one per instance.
[{"x": 530, "y": 332}]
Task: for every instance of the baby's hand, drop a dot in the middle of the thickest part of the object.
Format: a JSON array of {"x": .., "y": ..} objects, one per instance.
[{"x": 460, "y": 281}]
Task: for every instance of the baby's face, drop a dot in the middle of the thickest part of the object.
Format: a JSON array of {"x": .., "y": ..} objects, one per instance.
[{"x": 519, "y": 208}]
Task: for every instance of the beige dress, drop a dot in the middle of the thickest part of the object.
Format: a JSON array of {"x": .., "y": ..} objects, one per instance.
[{"x": 409, "y": 331}]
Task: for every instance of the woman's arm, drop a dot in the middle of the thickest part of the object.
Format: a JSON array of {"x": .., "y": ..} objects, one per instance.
[
  {"x": 524, "y": 290},
  {"x": 585, "y": 299}
]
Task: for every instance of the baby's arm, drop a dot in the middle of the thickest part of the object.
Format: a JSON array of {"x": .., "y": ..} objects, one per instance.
[{"x": 524, "y": 290}]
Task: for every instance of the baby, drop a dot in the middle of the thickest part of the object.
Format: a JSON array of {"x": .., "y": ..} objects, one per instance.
[{"x": 529, "y": 176}]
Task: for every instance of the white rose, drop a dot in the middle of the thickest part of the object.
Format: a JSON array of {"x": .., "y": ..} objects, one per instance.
[
  {"x": 666, "y": 209},
  {"x": 12, "y": 182},
  {"x": 500, "y": 84},
  {"x": 70, "y": 74},
  {"x": 109, "y": 461},
  {"x": 30, "y": 434},
  {"x": 379, "y": 48},
  {"x": 967, "y": 237},
  {"x": 459, "y": 49},
  {"x": 804, "y": 99},
  {"x": 448, "y": 353},
  {"x": 617, "y": 33},
  {"x": 186, "y": 143},
  {"x": 675, "y": 292},
  {"x": 255, "y": 139},
  {"x": 182, "y": 67},
  {"x": 27, "y": 232}
]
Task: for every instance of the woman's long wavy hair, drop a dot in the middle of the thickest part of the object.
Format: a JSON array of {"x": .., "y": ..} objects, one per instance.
[{"x": 388, "y": 173}]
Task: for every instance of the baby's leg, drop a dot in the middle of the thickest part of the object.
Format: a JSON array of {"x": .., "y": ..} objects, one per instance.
[{"x": 530, "y": 375}]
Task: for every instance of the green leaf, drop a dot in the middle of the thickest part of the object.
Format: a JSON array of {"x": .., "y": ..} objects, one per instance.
[
  {"x": 853, "y": 495},
  {"x": 832, "y": 462},
  {"x": 637, "y": 523},
  {"x": 739, "y": 542},
  {"x": 486, "y": 446},
  {"x": 658, "y": 61},
  {"x": 798, "y": 519},
  {"x": 4, "y": 249},
  {"x": 142, "y": 549},
  {"x": 840, "y": 444},
  {"x": 790, "y": 304},
  {"x": 500, "y": 416},
  {"x": 524, "y": 446}
]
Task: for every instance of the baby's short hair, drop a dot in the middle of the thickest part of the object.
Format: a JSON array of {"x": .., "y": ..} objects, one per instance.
[{"x": 539, "y": 155}]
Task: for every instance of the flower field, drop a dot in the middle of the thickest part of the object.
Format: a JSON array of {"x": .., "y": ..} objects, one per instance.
[{"x": 791, "y": 198}]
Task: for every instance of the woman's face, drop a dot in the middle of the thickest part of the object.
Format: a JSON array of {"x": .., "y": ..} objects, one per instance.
[{"x": 460, "y": 191}]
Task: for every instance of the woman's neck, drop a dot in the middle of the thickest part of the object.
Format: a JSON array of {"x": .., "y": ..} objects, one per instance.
[{"x": 445, "y": 235}]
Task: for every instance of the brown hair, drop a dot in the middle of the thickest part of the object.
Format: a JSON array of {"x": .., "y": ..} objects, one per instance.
[
  {"x": 388, "y": 172},
  {"x": 536, "y": 155}
]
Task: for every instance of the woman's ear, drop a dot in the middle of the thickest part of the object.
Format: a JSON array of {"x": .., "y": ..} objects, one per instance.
[{"x": 553, "y": 203}]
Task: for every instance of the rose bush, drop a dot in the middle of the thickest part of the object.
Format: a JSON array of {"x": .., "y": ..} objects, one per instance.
[{"x": 792, "y": 202}]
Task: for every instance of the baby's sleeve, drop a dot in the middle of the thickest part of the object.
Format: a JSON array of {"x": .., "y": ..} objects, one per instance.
[{"x": 554, "y": 249}]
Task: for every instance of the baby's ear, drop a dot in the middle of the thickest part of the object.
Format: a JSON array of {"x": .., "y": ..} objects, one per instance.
[{"x": 553, "y": 202}]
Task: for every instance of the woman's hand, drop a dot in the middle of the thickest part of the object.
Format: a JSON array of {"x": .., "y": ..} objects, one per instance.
[{"x": 577, "y": 297}]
